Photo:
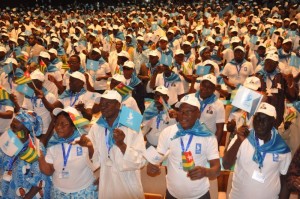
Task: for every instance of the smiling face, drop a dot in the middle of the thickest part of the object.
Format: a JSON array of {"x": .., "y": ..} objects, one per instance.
[
  {"x": 64, "y": 126},
  {"x": 188, "y": 115},
  {"x": 206, "y": 89},
  {"x": 109, "y": 108},
  {"x": 263, "y": 125}
]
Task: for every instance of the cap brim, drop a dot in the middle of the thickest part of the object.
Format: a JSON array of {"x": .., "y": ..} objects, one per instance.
[{"x": 56, "y": 111}]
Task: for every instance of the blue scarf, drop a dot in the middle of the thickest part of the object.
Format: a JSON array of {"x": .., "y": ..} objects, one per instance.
[
  {"x": 69, "y": 93},
  {"x": 167, "y": 52},
  {"x": 120, "y": 35},
  {"x": 102, "y": 122},
  {"x": 259, "y": 58},
  {"x": 61, "y": 51},
  {"x": 176, "y": 65},
  {"x": 203, "y": 103},
  {"x": 296, "y": 104},
  {"x": 265, "y": 74},
  {"x": 81, "y": 69},
  {"x": 199, "y": 129},
  {"x": 19, "y": 73},
  {"x": 275, "y": 145},
  {"x": 6, "y": 102},
  {"x": 152, "y": 68},
  {"x": 152, "y": 111},
  {"x": 101, "y": 61},
  {"x": 172, "y": 78},
  {"x": 55, "y": 61},
  {"x": 281, "y": 54},
  {"x": 253, "y": 39},
  {"x": 134, "y": 80},
  {"x": 55, "y": 139},
  {"x": 51, "y": 68},
  {"x": 233, "y": 62}
]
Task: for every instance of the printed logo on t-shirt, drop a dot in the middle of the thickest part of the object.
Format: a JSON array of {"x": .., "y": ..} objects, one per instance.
[
  {"x": 275, "y": 157},
  {"x": 198, "y": 148},
  {"x": 79, "y": 151},
  {"x": 245, "y": 68},
  {"x": 209, "y": 111}
]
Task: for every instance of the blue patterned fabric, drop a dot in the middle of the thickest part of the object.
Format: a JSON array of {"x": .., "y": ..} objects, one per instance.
[
  {"x": 24, "y": 176},
  {"x": 87, "y": 193}
]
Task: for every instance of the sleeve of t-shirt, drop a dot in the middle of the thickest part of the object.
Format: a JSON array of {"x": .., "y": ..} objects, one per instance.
[
  {"x": 27, "y": 104},
  {"x": 107, "y": 68},
  {"x": 159, "y": 80},
  {"x": 180, "y": 89},
  {"x": 49, "y": 158},
  {"x": 285, "y": 163},
  {"x": 220, "y": 113},
  {"x": 212, "y": 152},
  {"x": 164, "y": 141},
  {"x": 57, "y": 76},
  {"x": 225, "y": 71}
]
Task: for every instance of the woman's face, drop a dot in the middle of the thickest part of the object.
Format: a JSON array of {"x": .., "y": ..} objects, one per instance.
[{"x": 63, "y": 127}]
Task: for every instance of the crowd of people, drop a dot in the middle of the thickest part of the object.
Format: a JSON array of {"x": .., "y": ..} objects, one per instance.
[{"x": 66, "y": 73}]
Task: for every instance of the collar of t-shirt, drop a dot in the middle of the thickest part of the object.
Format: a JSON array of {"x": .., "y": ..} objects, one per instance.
[{"x": 128, "y": 81}]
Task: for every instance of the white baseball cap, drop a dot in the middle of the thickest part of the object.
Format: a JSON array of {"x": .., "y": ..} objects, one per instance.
[
  {"x": 211, "y": 78},
  {"x": 187, "y": 43},
  {"x": 287, "y": 41},
  {"x": 37, "y": 74},
  {"x": 13, "y": 40},
  {"x": 112, "y": 95},
  {"x": 239, "y": 48},
  {"x": 123, "y": 54},
  {"x": 44, "y": 55},
  {"x": 119, "y": 78},
  {"x": 163, "y": 90},
  {"x": 170, "y": 30},
  {"x": 3, "y": 49},
  {"x": 68, "y": 109},
  {"x": 210, "y": 39},
  {"x": 189, "y": 99},
  {"x": 272, "y": 56},
  {"x": 252, "y": 83},
  {"x": 163, "y": 38},
  {"x": 11, "y": 60},
  {"x": 267, "y": 109},
  {"x": 179, "y": 52},
  {"x": 154, "y": 53},
  {"x": 115, "y": 27},
  {"x": 56, "y": 40},
  {"x": 129, "y": 64},
  {"x": 139, "y": 38},
  {"x": 53, "y": 51},
  {"x": 96, "y": 50},
  {"x": 235, "y": 40},
  {"x": 78, "y": 75}
]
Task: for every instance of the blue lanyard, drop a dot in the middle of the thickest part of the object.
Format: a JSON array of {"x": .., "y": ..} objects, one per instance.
[
  {"x": 76, "y": 98},
  {"x": 166, "y": 84},
  {"x": 238, "y": 69},
  {"x": 188, "y": 144},
  {"x": 10, "y": 82},
  {"x": 263, "y": 154},
  {"x": 107, "y": 142},
  {"x": 66, "y": 156},
  {"x": 33, "y": 101},
  {"x": 158, "y": 120},
  {"x": 203, "y": 106}
]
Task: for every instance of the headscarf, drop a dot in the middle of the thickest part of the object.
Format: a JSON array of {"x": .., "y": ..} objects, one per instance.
[{"x": 31, "y": 121}]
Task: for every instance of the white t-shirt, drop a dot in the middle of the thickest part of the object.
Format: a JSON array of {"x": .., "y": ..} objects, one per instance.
[
  {"x": 5, "y": 123},
  {"x": 80, "y": 174},
  {"x": 88, "y": 98},
  {"x": 203, "y": 149},
  {"x": 175, "y": 88},
  {"x": 102, "y": 71},
  {"x": 243, "y": 186},
  {"x": 50, "y": 86},
  {"x": 153, "y": 135},
  {"x": 131, "y": 103},
  {"x": 235, "y": 77},
  {"x": 228, "y": 54},
  {"x": 40, "y": 109},
  {"x": 213, "y": 114}
]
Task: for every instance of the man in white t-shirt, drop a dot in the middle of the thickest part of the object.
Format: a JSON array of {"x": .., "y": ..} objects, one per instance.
[
  {"x": 261, "y": 161},
  {"x": 190, "y": 145},
  {"x": 212, "y": 109},
  {"x": 237, "y": 70}
]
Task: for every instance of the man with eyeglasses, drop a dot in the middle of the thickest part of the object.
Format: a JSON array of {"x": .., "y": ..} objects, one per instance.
[{"x": 190, "y": 145}]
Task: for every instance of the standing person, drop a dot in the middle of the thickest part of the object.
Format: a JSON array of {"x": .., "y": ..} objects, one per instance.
[
  {"x": 191, "y": 137},
  {"x": 21, "y": 175},
  {"x": 117, "y": 150},
  {"x": 261, "y": 159},
  {"x": 67, "y": 161}
]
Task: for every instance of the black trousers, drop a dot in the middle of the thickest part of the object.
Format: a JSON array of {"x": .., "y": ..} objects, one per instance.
[{"x": 169, "y": 196}]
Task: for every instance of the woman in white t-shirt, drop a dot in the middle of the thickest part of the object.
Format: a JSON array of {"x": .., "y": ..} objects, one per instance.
[{"x": 66, "y": 162}]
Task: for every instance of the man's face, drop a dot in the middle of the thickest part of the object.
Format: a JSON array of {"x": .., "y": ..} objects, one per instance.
[
  {"x": 179, "y": 58},
  {"x": 270, "y": 65},
  {"x": 163, "y": 44},
  {"x": 109, "y": 108},
  {"x": 287, "y": 47},
  {"x": 188, "y": 115},
  {"x": 157, "y": 97},
  {"x": 31, "y": 40},
  {"x": 127, "y": 72},
  {"x": 239, "y": 56},
  {"x": 119, "y": 46},
  {"x": 74, "y": 64},
  {"x": 262, "y": 124},
  {"x": 75, "y": 84},
  {"x": 261, "y": 51},
  {"x": 207, "y": 89},
  {"x": 153, "y": 59},
  {"x": 186, "y": 48}
]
